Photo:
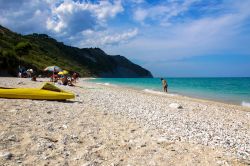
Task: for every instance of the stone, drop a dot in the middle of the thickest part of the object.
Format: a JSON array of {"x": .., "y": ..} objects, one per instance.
[
  {"x": 6, "y": 155},
  {"x": 20, "y": 83},
  {"x": 65, "y": 126},
  {"x": 175, "y": 105},
  {"x": 50, "y": 145},
  {"x": 12, "y": 138}
]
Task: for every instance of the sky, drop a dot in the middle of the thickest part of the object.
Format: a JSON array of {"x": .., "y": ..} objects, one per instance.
[{"x": 171, "y": 38}]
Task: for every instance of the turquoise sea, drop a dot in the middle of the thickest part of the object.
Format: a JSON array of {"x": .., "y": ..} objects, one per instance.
[{"x": 229, "y": 90}]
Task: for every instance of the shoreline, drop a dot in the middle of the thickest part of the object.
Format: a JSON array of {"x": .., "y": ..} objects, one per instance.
[
  {"x": 107, "y": 125},
  {"x": 156, "y": 92}
]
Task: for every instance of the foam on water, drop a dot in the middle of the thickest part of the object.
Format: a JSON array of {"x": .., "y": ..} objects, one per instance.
[
  {"x": 245, "y": 104},
  {"x": 157, "y": 92},
  {"x": 106, "y": 84}
]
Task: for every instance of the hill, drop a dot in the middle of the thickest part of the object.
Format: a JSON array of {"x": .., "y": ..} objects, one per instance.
[{"x": 38, "y": 51}]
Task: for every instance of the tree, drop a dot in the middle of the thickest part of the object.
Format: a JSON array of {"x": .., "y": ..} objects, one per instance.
[{"x": 22, "y": 48}]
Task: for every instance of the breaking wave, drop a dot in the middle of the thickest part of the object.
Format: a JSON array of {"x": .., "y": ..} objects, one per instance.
[
  {"x": 106, "y": 84},
  {"x": 157, "y": 92},
  {"x": 245, "y": 104}
]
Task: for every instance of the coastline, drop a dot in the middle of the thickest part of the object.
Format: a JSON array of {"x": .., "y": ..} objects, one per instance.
[
  {"x": 113, "y": 124},
  {"x": 156, "y": 92}
]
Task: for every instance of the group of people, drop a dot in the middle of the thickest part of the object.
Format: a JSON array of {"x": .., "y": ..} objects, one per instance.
[
  {"x": 55, "y": 77},
  {"x": 23, "y": 73},
  {"x": 65, "y": 79}
]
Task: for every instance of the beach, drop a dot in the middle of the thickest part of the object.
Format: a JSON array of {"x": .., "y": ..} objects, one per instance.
[{"x": 113, "y": 125}]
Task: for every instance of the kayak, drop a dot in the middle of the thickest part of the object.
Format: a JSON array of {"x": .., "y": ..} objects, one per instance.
[{"x": 47, "y": 92}]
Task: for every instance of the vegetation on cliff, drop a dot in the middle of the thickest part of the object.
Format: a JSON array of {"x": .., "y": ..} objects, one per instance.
[{"x": 38, "y": 51}]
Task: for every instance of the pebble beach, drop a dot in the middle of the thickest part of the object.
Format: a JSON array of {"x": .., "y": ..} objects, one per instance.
[{"x": 112, "y": 125}]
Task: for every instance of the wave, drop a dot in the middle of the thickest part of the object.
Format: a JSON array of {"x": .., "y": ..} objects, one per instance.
[
  {"x": 158, "y": 92},
  {"x": 245, "y": 104},
  {"x": 87, "y": 78},
  {"x": 106, "y": 84}
]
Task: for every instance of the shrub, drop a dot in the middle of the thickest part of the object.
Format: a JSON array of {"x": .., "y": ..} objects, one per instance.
[{"x": 22, "y": 48}]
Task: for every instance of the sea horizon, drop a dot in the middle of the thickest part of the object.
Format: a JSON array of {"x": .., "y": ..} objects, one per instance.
[{"x": 200, "y": 77}]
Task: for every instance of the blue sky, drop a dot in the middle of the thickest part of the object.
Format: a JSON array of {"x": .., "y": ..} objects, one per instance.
[{"x": 172, "y": 38}]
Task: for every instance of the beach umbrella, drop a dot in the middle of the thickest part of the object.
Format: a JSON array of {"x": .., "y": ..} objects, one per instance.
[
  {"x": 61, "y": 73},
  {"x": 30, "y": 70},
  {"x": 64, "y": 72},
  {"x": 53, "y": 69}
]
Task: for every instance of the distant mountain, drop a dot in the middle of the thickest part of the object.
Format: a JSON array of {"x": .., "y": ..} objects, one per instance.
[{"x": 38, "y": 51}]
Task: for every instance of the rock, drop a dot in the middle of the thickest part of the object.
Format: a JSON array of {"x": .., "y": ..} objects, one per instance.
[
  {"x": 161, "y": 140},
  {"x": 87, "y": 163},
  {"x": 50, "y": 139},
  {"x": 50, "y": 145},
  {"x": 6, "y": 155},
  {"x": 65, "y": 140},
  {"x": 20, "y": 83},
  {"x": 13, "y": 110},
  {"x": 175, "y": 105},
  {"x": 65, "y": 126},
  {"x": 73, "y": 136},
  {"x": 12, "y": 138},
  {"x": 67, "y": 153}
]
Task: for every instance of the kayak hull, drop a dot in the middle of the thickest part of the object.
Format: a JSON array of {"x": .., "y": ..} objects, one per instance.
[{"x": 33, "y": 93}]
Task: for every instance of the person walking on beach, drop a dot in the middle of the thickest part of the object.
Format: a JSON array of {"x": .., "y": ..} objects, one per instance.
[{"x": 164, "y": 85}]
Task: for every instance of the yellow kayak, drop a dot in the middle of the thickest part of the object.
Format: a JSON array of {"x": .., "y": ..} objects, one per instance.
[{"x": 47, "y": 92}]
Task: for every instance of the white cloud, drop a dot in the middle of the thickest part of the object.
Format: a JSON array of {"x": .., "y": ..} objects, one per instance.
[
  {"x": 88, "y": 32},
  {"x": 24, "y": 16},
  {"x": 140, "y": 15},
  {"x": 226, "y": 33},
  {"x": 162, "y": 13},
  {"x": 57, "y": 17},
  {"x": 136, "y": 1},
  {"x": 64, "y": 19},
  {"x": 71, "y": 14},
  {"x": 92, "y": 38},
  {"x": 105, "y": 9}
]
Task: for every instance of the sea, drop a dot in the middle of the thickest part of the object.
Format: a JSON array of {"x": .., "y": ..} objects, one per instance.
[{"x": 234, "y": 90}]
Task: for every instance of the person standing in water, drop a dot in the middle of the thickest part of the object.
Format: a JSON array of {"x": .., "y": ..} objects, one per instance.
[{"x": 164, "y": 85}]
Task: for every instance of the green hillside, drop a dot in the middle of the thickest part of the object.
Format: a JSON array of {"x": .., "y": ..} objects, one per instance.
[{"x": 38, "y": 51}]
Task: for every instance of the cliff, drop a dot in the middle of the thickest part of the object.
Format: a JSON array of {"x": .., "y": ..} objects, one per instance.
[{"x": 38, "y": 51}]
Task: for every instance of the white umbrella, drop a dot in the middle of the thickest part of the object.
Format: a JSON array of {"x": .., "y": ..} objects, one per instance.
[
  {"x": 53, "y": 69},
  {"x": 30, "y": 70}
]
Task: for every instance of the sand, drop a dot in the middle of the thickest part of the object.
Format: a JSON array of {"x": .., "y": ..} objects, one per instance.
[{"x": 110, "y": 125}]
